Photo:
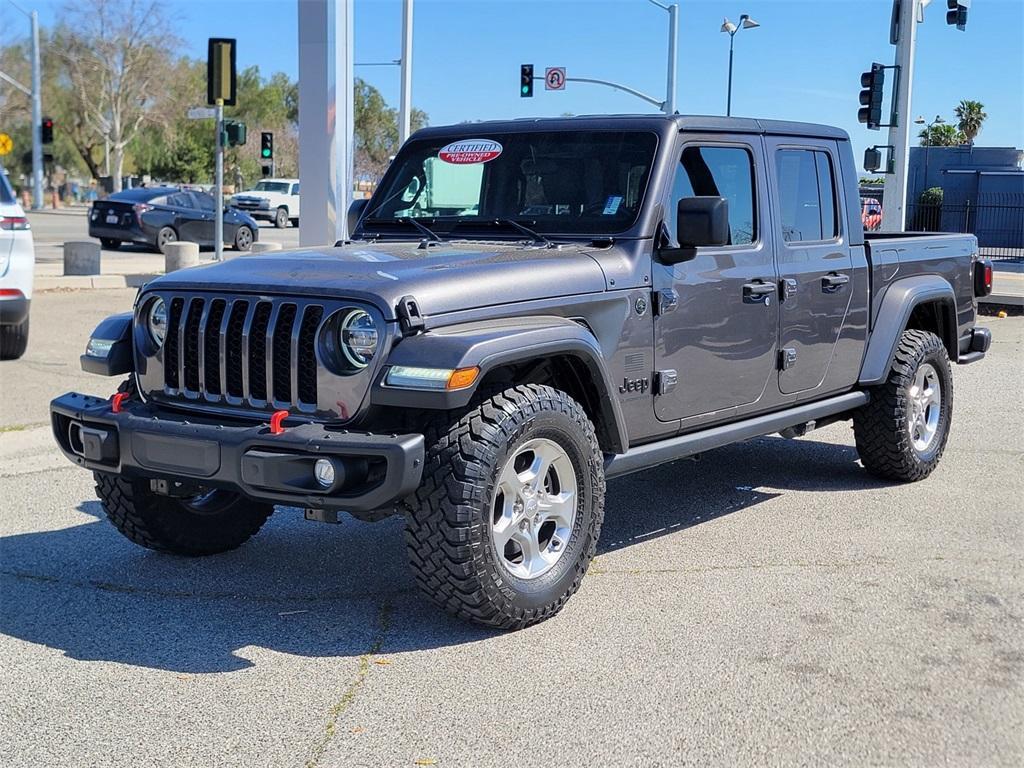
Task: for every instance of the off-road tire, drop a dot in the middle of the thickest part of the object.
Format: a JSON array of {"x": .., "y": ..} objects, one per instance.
[
  {"x": 168, "y": 525},
  {"x": 281, "y": 218},
  {"x": 448, "y": 534},
  {"x": 13, "y": 340},
  {"x": 881, "y": 426}
]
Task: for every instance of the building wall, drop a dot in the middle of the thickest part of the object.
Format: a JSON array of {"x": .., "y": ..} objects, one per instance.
[{"x": 931, "y": 166}]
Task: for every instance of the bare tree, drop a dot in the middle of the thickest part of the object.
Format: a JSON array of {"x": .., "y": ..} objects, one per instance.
[{"x": 116, "y": 54}]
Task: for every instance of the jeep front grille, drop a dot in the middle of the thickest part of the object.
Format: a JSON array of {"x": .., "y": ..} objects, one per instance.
[{"x": 255, "y": 352}]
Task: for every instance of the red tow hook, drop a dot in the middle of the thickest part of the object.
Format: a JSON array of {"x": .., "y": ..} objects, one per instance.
[
  {"x": 116, "y": 400},
  {"x": 277, "y": 422}
]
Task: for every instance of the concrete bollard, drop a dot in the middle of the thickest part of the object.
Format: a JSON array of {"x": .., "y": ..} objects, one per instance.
[
  {"x": 263, "y": 248},
  {"x": 81, "y": 258},
  {"x": 180, "y": 255}
]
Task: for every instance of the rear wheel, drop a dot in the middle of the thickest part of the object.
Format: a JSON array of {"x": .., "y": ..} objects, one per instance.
[
  {"x": 243, "y": 238},
  {"x": 13, "y": 340},
  {"x": 902, "y": 432},
  {"x": 281, "y": 218},
  {"x": 165, "y": 236},
  {"x": 207, "y": 523},
  {"x": 506, "y": 520},
  {"x": 110, "y": 244}
]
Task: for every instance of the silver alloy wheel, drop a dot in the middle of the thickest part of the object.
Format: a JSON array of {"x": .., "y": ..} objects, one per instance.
[
  {"x": 925, "y": 401},
  {"x": 243, "y": 239},
  {"x": 534, "y": 509}
]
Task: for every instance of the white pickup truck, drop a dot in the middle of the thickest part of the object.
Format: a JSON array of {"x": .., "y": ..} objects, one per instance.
[{"x": 275, "y": 200}]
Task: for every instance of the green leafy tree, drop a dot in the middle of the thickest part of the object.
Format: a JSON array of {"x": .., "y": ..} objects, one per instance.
[
  {"x": 376, "y": 130},
  {"x": 970, "y": 116},
  {"x": 941, "y": 135}
]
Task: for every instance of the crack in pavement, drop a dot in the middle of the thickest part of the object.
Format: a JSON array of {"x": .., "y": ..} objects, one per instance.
[{"x": 349, "y": 693}]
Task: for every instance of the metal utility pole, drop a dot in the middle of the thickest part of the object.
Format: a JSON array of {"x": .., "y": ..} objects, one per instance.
[
  {"x": 669, "y": 105},
  {"x": 218, "y": 214},
  {"x": 326, "y": 148},
  {"x": 894, "y": 200},
  {"x": 37, "y": 118},
  {"x": 405, "y": 103},
  {"x": 731, "y": 29}
]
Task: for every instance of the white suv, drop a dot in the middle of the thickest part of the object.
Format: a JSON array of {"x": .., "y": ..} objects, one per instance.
[
  {"x": 275, "y": 200},
  {"x": 17, "y": 265}
]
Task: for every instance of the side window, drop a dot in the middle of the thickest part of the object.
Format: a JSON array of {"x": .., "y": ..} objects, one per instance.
[
  {"x": 204, "y": 201},
  {"x": 807, "y": 195},
  {"x": 179, "y": 200},
  {"x": 295, "y": 189},
  {"x": 718, "y": 172}
]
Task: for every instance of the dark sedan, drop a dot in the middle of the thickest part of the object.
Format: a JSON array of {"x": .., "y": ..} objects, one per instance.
[{"x": 156, "y": 216}]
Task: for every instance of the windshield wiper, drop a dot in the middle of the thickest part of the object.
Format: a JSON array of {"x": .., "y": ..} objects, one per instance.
[
  {"x": 537, "y": 237},
  {"x": 430, "y": 234}
]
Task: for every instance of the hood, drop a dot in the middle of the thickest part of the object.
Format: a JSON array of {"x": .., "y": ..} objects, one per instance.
[{"x": 443, "y": 278}]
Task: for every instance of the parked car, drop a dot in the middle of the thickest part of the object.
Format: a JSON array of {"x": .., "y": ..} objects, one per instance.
[
  {"x": 871, "y": 214},
  {"x": 577, "y": 299},
  {"x": 17, "y": 268},
  {"x": 275, "y": 200},
  {"x": 156, "y": 216}
]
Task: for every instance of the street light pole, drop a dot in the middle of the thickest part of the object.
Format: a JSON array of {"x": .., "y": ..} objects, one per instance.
[
  {"x": 727, "y": 26},
  {"x": 37, "y": 118},
  {"x": 405, "y": 100},
  {"x": 218, "y": 220},
  {"x": 894, "y": 201},
  {"x": 669, "y": 105}
]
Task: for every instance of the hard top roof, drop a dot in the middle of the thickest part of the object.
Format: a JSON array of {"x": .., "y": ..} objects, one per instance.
[{"x": 693, "y": 123}]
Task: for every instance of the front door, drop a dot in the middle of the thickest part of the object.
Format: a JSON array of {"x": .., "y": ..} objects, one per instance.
[
  {"x": 717, "y": 324},
  {"x": 815, "y": 262}
]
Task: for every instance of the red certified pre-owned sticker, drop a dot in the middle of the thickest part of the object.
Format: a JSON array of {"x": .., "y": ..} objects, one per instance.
[{"x": 469, "y": 151}]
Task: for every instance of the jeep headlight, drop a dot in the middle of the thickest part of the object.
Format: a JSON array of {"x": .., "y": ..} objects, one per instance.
[
  {"x": 156, "y": 322},
  {"x": 358, "y": 338}
]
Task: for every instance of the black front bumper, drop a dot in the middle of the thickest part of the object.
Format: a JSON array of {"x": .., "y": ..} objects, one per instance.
[{"x": 372, "y": 471}]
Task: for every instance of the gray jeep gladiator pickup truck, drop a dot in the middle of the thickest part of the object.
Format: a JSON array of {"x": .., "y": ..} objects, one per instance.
[{"x": 524, "y": 310}]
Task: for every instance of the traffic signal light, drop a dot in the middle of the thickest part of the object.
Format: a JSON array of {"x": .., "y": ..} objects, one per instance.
[
  {"x": 873, "y": 83},
  {"x": 957, "y": 13},
  {"x": 235, "y": 132},
  {"x": 47, "y": 130},
  {"x": 526, "y": 81},
  {"x": 266, "y": 146}
]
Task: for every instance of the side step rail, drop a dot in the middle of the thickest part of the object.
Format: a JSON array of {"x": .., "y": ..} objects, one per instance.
[{"x": 646, "y": 456}]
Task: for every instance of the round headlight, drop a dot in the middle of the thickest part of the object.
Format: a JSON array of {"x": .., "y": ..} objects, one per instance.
[
  {"x": 358, "y": 338},
  {"x": 156, "y": 321}
]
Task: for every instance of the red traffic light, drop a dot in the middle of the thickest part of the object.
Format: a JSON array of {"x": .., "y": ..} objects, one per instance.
[{"x": 46, "y": 128}]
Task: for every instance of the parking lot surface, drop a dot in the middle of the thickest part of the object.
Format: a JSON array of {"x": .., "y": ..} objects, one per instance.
[{"x": 769, "y": 604}]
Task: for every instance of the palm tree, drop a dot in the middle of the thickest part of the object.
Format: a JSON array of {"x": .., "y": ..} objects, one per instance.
[
  {"x": 941, "y": 135},
  {"x": 971, "y": 114}
]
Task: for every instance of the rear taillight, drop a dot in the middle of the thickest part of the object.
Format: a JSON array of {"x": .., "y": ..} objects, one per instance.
[
  {"x": 982, "y": 278},
  {"x": 14, "y": 222},
  {"x": 141, "y": 208},
  {"x": 8, "y": 293}
]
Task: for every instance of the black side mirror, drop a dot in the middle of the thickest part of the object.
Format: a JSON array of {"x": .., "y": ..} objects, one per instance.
[
  {"x": 354, "y": 212},
  {"x": 701, "y": 221}
]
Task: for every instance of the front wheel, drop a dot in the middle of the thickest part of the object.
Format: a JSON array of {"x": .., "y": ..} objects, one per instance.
[
  {"x": 210, "y": 522},
  {"x": 508, "y": 515},
  {"x": 901, "y": 433}
]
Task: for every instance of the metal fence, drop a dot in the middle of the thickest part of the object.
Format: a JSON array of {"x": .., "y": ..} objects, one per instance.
[{"x": 996, "y": 219}]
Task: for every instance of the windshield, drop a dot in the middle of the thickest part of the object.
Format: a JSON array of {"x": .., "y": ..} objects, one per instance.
[
  {"x": 557, "y": 182},
  {"x": 272, "y": 186}
]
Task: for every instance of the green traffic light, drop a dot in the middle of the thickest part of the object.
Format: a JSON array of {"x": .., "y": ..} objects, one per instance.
[{"x": 266, "y": 153}]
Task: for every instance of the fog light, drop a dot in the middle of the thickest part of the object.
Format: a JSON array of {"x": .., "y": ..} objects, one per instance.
[{"x": 324, "y": 472}]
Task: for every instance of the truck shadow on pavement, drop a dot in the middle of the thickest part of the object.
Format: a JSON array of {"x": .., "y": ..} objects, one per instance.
[{"x": 311, "y": 590}]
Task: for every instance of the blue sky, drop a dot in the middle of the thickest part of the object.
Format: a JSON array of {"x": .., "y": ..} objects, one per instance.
[{"x": 803, "y": 63}]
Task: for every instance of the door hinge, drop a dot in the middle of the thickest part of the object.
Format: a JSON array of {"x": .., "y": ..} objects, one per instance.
[
  {"x": 665, "y": 301},
  {"x": 665, "y": 381},
  {"x": 787, "y": 358}
]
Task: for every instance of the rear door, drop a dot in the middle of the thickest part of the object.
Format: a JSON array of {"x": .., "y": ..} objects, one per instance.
[
  {"x": 187, "y": 218},
  {"x": 206, "y": 211},
  {"x": 814, "y": 258}
]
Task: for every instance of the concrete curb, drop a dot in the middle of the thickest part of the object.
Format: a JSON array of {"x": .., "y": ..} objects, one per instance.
[{"x": 80, "y": 282}]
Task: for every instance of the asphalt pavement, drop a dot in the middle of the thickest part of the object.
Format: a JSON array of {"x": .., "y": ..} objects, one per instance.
[{"x": 769, "y": 604}]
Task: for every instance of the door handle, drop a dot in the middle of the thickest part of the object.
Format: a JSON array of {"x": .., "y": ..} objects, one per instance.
[
  {"x": 757, "y": 291},
  {"x": 833, "y": 282}
]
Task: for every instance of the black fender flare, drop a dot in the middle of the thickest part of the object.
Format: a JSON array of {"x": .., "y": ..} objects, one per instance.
[
  {"x": 489, "y": 345},
  {"x": 898, "y": 303},
  {"x": 117, "y": 331}
]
